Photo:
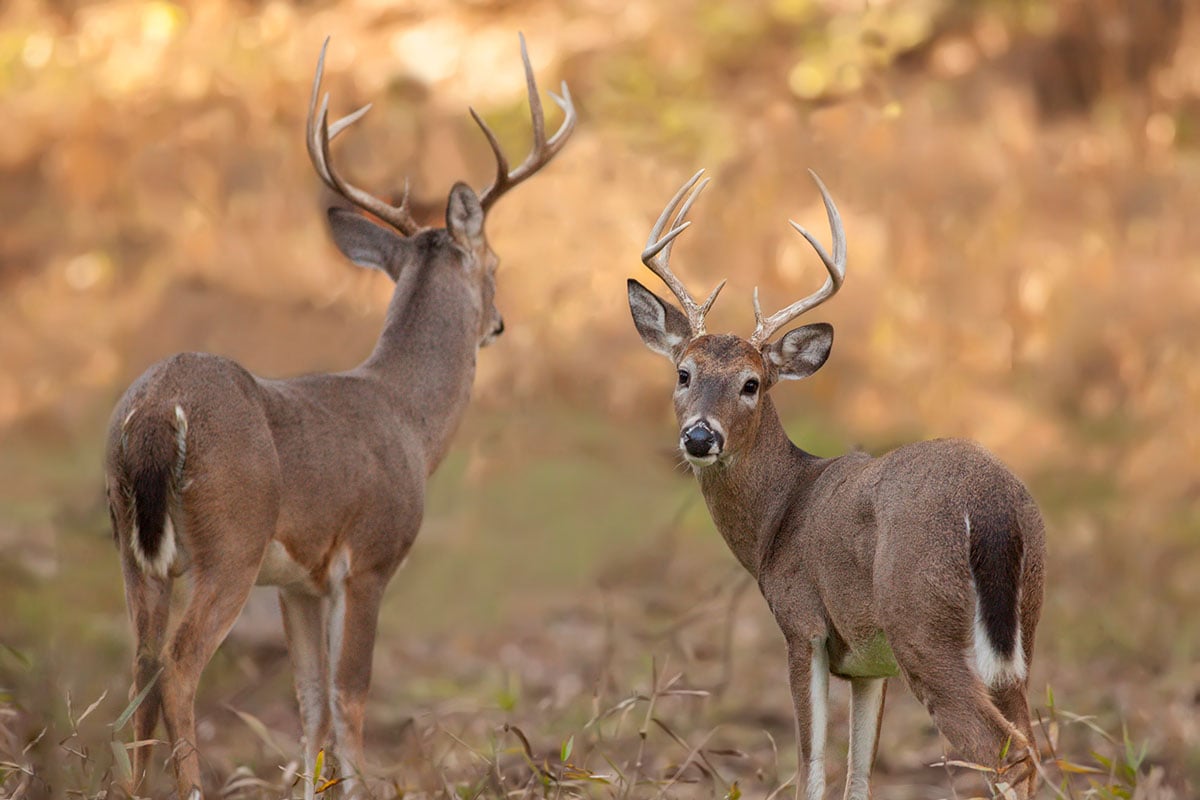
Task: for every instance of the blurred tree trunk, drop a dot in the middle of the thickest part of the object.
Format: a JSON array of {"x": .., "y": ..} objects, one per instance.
[
  {"x": 1071, "y": 53},
  {"x": 1101, "y": 47}
]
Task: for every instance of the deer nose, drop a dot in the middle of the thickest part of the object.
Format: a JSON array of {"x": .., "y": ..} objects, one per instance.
[
  {"x": 499, "y": 326},
  {"x": 699, "y": 440}
]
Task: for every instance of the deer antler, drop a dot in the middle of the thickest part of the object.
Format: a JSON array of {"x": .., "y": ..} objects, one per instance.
[
  {"x": 836, "y": 266},
  {"x": 319, "y": 133},
  {"x": 657, "y": 254},
  {"x": 543, "y": 149}
]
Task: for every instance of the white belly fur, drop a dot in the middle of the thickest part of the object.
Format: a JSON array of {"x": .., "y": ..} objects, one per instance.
[{"x": 280, "y": 569}]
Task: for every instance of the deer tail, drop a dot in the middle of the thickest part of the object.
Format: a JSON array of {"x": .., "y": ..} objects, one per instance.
[
  {"x": 996, "y": 553},
  {"x": 154, "y": 452}
]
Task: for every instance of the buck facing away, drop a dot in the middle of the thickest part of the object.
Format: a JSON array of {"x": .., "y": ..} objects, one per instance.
[
  {"x": 313, "y": 484},
  {"x": 926, "y": 562}
]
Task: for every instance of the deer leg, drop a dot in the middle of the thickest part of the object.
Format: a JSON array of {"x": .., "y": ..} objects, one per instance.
[
  {"x": 353, "y": 617},
  {"x": 959, "y": 704},
  {"x": 216, "y": 601},
  {"x": 866, "y": 717},
  {"x": 304, "y": 621},
  {"x": 148, "y": 598},
  {"x": 808, "y": 671},
  {"x": 1014, "y": 705}
]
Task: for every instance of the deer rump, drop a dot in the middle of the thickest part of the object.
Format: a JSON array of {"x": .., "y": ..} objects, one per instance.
[{"x": 995, "y": 556}]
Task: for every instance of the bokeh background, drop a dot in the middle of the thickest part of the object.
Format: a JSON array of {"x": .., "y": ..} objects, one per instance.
[{"x": 1020, "y": 183}]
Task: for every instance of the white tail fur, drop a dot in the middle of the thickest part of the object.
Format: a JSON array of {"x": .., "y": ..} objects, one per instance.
[
  {"x": 160, "y": 564},
  {"x": 994, "y": 669}
]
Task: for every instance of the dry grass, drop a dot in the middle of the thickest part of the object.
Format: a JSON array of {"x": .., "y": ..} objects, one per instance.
[{"x": 644, "y": 693}]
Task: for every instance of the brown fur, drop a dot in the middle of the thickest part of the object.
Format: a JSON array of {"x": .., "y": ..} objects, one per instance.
[
  {"x": 853, "y": 551},
  {"x": 845, "y": 548},
  {"x": 313, "y": 484},
  {"x": 321, "y": 464}
]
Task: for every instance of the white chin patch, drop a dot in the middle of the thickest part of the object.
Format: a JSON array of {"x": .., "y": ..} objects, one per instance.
[{"x": 700, "y": 461}]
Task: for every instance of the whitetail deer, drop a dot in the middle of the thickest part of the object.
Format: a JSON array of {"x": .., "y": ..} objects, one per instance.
[
  {"x": 313, "y": 484},
  {"x": 925, "y": 562}
]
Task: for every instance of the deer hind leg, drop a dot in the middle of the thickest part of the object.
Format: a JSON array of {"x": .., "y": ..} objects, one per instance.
[
  {"x": 218, "y": 594},
  {"x": 304, "y": 624},
  {"x": 353, "y": 618},
  {"x": 1014, "y": 705},
  {"x": 959, "y": 704},
  {"x": 148, "y": 598},
  {"x": 866, "y": 716},
  {"x": 808, "y": 672}
]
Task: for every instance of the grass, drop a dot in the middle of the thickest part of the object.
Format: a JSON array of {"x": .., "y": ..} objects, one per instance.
[
  {"x": 562, "y": 592},
  {"x": 597, "y": 641},
  {"x": 660, "y": 735}
]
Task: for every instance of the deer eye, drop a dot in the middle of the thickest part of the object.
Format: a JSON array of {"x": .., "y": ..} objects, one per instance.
[
  {"x": 684, "y": 377},
  {"x": 750, "y": 387}
]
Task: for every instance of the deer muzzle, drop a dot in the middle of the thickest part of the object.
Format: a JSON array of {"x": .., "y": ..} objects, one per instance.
[
  {"x": 495, "y": 332},
  {"x": 700, "y": 443}
]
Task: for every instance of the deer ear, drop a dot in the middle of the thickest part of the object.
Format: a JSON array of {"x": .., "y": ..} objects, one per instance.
[
  {"x": 801, "y": 352},
  {"x": 368, "y": 244},
  {"x": 464, "y": 218},
  {"x": 662, "y": 326}
]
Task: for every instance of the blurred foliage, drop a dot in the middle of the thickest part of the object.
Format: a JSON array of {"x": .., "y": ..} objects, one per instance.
[{"x": 1018, "y": 181}]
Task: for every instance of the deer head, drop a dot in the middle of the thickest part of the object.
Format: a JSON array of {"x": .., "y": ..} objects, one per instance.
[
  {"x": 461, "y": 248},
  {"x": 722, "y": 378}
]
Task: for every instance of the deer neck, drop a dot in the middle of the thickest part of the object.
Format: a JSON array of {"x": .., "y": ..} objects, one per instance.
[
  {"x": 749, "y": 495},
  {"x": 425, "y": 356}
]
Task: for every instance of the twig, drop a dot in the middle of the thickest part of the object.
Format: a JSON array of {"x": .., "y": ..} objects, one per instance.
[
  {"x": 1054, "y": 755},
  {"x": 691, "y": 754}
]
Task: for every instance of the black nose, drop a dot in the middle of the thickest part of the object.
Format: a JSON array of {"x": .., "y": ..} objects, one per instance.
[
  {"x": 700, "y": 440},
  {"x": 499, "y": 327}
]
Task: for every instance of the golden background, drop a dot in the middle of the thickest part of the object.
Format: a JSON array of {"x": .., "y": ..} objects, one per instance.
[{"x": 1020, "y": 184}]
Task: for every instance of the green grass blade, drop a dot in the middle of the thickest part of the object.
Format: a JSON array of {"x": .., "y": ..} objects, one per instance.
[
  {"x": 135, "y": 703},
  {"x": 121, "y": 757}
]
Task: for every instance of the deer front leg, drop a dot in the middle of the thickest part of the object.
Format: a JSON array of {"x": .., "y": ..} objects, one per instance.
[
  {"x": 353, "y": 617},
  {"x": 808, "y": 671},
  {"x": 304, "y": 621},
  {"x": 866, "y": 714}
]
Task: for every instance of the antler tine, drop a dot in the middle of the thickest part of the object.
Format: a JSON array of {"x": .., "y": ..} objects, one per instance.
[
  {"x": 657, "y": 254},
  {"x": 835, "y": 266},
  {"x": 543, "y": 149},
  {"x": 319, "y": 133}
]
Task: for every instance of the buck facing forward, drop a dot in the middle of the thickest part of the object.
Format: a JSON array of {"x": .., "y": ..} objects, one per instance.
[
  {"x": 314, "y": 484},
  {"x": 926, "y": 562}
]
